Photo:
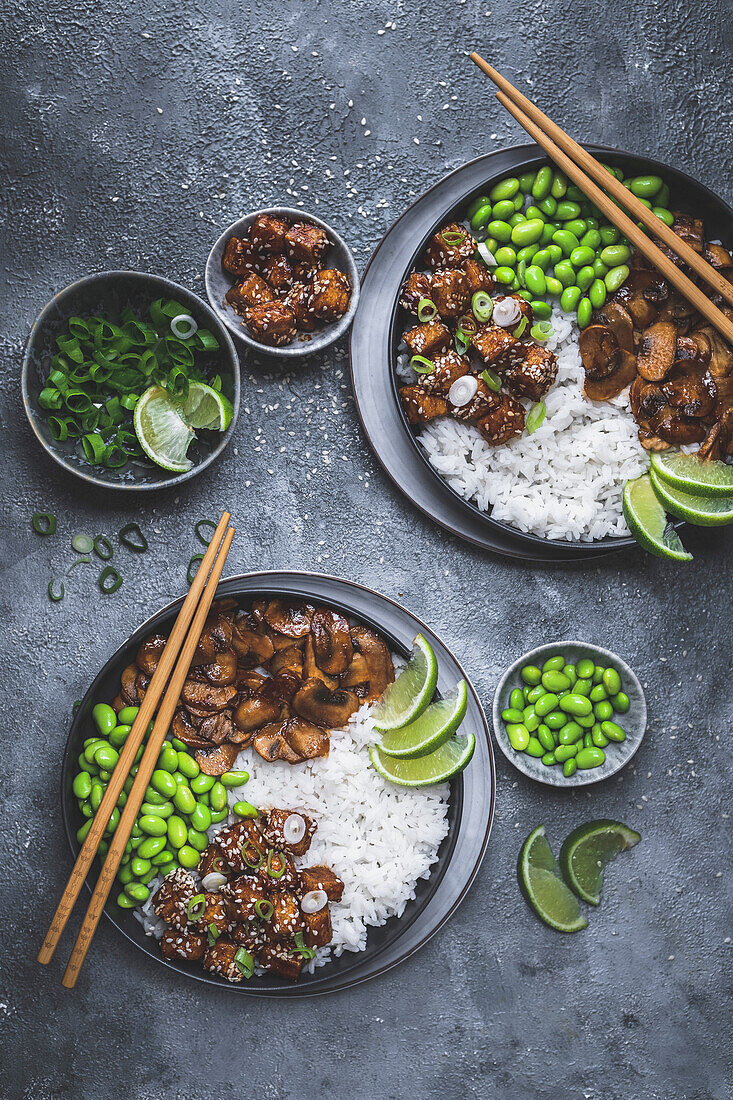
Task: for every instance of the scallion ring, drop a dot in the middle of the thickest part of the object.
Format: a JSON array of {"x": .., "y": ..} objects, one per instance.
[
  {"x": 461, "y": 341},
  {"x": 200, "y": 529},
  {"x": 275, "y": 864},
  {"x": 196, "y": 560},
  {"x": 132, "y": 537},
  {"x": 43, "y": 523},
  {"x": 535, "y": 416},
  {"x": 79, "y": 561},
  {"x": 426, "y": 309},
  {"x": 103, "y": 547},
  {"x": 214, "y": 932},
  {"x": 482, "y": 306},
  {"x": 301, "y": 949},
  {"x": 521, "y": 268},
  {"x": 196, "y": 907},
  {"x": 517, "y": 332},
  {"x": 264, "y": 909},
  {"x": 541, "y": 331},
  {"x": 453, "y": 237},
  {"x": 183, "y": 326},
  {"x": 421, "y": 365},
  {"x": 109, "y": 580},
  {"x": 55, "y": 596},
  {"x": 83, "y": 544},
  {"x": 244, "y": 962},
  {"x": 491, "y": 379},
  {"x": 251, "y": 856},
  {"x": 468, "y": 323},
  {"x": 94, "y": 448}
]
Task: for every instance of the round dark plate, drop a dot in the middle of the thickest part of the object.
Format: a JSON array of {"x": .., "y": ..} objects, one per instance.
[
  {"x": 110, "y": 292},
  {"x": 471, "y": 806},
  {"x": 377, "y": 328}
]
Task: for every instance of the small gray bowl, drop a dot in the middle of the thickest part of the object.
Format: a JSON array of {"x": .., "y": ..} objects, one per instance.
[
  {"x": 617, "y": 754},
  {"x": 218, "y": 282},
  {"x": 111, "y": 291}
]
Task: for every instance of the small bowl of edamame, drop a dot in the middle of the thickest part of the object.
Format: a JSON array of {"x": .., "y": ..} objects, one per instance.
[{"x": 569, "y": 714}]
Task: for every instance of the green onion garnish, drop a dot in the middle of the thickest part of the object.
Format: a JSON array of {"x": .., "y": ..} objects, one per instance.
[
  {"x": 264, "y": 910},
  {"x": 43, "y": 523},
  {"x": 468, "y": 323},
  {"x": 196, "y": 907},
  {"x": 103, "y": 547},
  {"x": 109, "y": 580},
  {"x": 214, "y": 934},
  {"x": 421, "y": 365},
  {"x": 491, "y": 379},
  {"x": 535, "y": 416},
  {"x": 541, "y": 331},
  {"x": 482, "y": 306},
  {"x": 132, "y": 537},
  {"x": 426, "y": 309},
  {"x": 201, "y": 530},
  {"x": 82, "y": 544},
  {"x": 517, "y": 332},
  {"x": 275, "y": 864},
  {"x": 94, "y": 449},
  {"x": 245, "y": 963},
  {"x": 251, "y": 856},
  {"x": 79, "y": 561},
  {"x": 196, "y": 560},
  {"x": 461, "y": 341},
  {"x": 55, "y": 596},
  {"x": 453, "y": 237},
  {"x": 183, "y": 326},
  {"x": 300, "y": 948}
]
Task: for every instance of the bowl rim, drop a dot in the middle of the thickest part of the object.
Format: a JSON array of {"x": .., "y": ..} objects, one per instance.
[
  {"x": 42, "y": 317},
  {"x": 518, "y": 760},
  {"x": 297, "y": 350}
]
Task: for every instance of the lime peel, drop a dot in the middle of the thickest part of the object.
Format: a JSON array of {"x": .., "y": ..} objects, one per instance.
[
  {"x": 423, "y": 771},
  {"x": 404, "y": 700},
  {"x": 587, "y": 849},
  {"x": 709, "y": 478},
  {"x": 648, "y": 522},
  {"x": 432, "y": 729},
  {"x": 542, "y": 885},
  {"x": 699, "y": 510}
]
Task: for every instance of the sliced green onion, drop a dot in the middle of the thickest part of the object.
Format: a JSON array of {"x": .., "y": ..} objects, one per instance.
[
  {"x": 264, "y": 910},
  {"x": 461, "y": 341},
  {"x": 79, "y": 561},
  {"x": 300, "y": 948},
  {"x": 132, "y": 537},
  {"x": 421, "y": 365},
  {"x": 196, "y": 907},
  {"x": 275, "y": 864},
  {"x": 482, "y": 306},
  {"x": 468, "y": 323},
  {"x": 50, "y": 398},
  {"x": 426, "y": 309},
  {"x": 55, "y": 596},
  {"x": 453, "y": 237},
  {"x": 58, "y": 428},
  {"x": 244, "y": 962},
  {"x": 517, "y": 332},
  {"x": 82, "y": 544},
  {"x": 253, "y": 861},
  {"x": 114, "y": 457},
  {"x": 183, "y": 326},
  {"x": 109, "y": 580},
  {"x": 485, "y": 254},
  {"x": 491, "y": 379},
  {"x": 94, "y": 449},
  {"x": 43, "y": 523},
  {"x": 103, "y": 547},
  {"x": 214, "y": 933},
  {"x": 541, "y": 331},
  {"x": 200, "y": 529},
  {"x": 196, "y": 560},
  {"x": 207, "y": 340},
  {"x": 535, "y": 416}
]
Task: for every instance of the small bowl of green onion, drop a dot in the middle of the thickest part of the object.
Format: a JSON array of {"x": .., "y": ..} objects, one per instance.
[{"x": 130, "y": 381}]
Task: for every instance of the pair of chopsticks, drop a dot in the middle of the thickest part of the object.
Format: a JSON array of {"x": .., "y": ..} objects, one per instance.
[
  {"x": 176, "y": 659},
  {"x": 579, "y": 166}
]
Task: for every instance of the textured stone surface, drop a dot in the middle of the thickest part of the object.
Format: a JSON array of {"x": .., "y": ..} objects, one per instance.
[{"x": 133, "y": 135}]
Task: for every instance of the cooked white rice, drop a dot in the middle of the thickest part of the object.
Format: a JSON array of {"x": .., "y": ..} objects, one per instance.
[{"x": 564, "y": 481}]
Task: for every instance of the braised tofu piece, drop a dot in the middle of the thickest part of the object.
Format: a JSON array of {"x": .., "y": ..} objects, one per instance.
[
  {"x": 243, "y": 894},
  {"x": 172, "y": 898},
  {"x": 267, "y": 233},
  {"x": 252, "y": 936},
  {"x": 478, "y": 275},
  {"x": 212, "y": 861},
  {"x": 298, "y": 300},
  {"x": 214, "y": 911},
  {"x": 252, "y": 291},
  {"x": 282, "y": 961},
  {"x": 289, "y": 831},
  {"x": 304, "y": 272},
  {"x": 483, "y": 401},
  {"x": 427, "y": 339},
  {"x": 219, "y": 958},
  {"x": 417, "y": 286},
  {"x": 306, "y": 243},
  {"x": 287, "y": 918},
  {"x": 330, "y": 294},
  {"x": 271, "y": 323},
  {"x": 187, "y": 946},
  {"x": 318, "y": 931},
  {"x": 242, "y": 846},
  {"x": 451, "y": 292},
  {"x": 321, "y": 878},
  {"x": 504, "y": 421},
  {"x": 446, "y": 368},
  {"x": 279, "y": 872},
  {"x": 494, "y": 344},
  {"x": 533, "y": 375},
  {"x": 240, "y": 258},
  {"x": 421, "y": 406},
  {"x": 277, "y": 273},
  {"x": 451, "y": 246}
]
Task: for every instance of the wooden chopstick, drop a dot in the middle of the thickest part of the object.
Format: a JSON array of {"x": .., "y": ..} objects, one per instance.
[
  {"x": 129, "y": 749},
  {"x": 145, "y": 770},
  {"x": 663, "y": 264}
]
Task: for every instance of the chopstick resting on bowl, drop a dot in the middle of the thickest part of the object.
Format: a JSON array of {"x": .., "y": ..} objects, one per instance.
[
  {"x": 571, "y": 158},
  {"x": 135, "y": 737}
]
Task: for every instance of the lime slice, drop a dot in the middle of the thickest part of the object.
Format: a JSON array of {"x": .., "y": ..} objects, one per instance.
[
  {"x": 703, "y": 511},
  {"x": 204, "y": 407},
  {"x": 542, "y": 885},
  {"x": 406, "y": 699},
  {"x": 161, "y": 431},
  {"x": 648, "y": 522},
  {"x": 586, "y": 851},
  {"x": 428, "y": 732},
  {"x": 437, "y": 766},
  {"x": 690, "y": 474}
]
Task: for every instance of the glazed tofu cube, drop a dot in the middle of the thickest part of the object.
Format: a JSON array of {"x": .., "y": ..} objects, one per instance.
[
  {"x": 215, "y": 912},
  {"x": 187, "y": 946},
  {"x": 278, "y": 273},
  {"x": 275, "y": 832},
  {"x": 446, "y": 368},
  {"x": 280, "y": 960},
  {"x": 417, "y": 286},
  {"x": 251, "y": 291},
  {"x": 330, "y": 294},
  {"x": 243, "y": 894},
  {"x": 451, "y": 246},
  {"x": 321, "y": 878},
  {"x": 297, "y": 300},
  {"x": 272, "y": 882},
  {"x": 533, "y": 374},
  {"x": 242, "y": 846},
  {"x": 504, "y": 421},
  {"x": 239, "y": 256},
  {"x": 212, "y": 861},
  {"x": 493, "y": 343},
  {"x": 252, "y": 936},
  {"x": 318, "y": 931},
  {"x": 421, "y": 406},
  {"x": 305, "y": 272},
  {"x": 287, "y": 918},
  {"x": 219, "y": 959},
  {"x": 451, "y": 292},
  {"x": 428, "y": 339},
  {"x": 483, "y": 401},
  {"x": 478, "y": 275},
  {"x": 267, "y": 233},
  {"x": 170, "y": 903},
  {"x": 306, "y": 243},
  {"x": 271, "y": 323}
]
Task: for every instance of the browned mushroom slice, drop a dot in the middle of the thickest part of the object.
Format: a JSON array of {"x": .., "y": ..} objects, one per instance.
[
  {"x": 222, "y": 670},
  {"x": 142, "y": 683},
  {"x": 283, "y": 686},
  {"x": 184, "y": 731},
  {"x": 719, "y": 440},
  {"x": 217, "y": 727},
  {"x": 118, "y": 704},
  {"x": 379, "y": 661},
  {"x": 599, "y": 351},
  {"x": 689, "y": 229},
  {"x": 314, "y": 702},
  {"x": 616, "y": 317},
  {"x": 249, "y": 681},
  {"x": 721, "y": 353},
  {"x": 716, "y": 255},
  {"x": 289, "y": 659},
  {"x": 331, "y": 635},
  {"x": 310, "y": 668},
  {"x": 690, "y": 389},
  {"x": 291, "y": 619},
  {"x": 657, "y": 351},
  {"x": 252, "y": 647},
  {"x": 207, "y": 698},
  {"x": 633, "y": 298},
  {"x": 604, "y": 389},
  {"x": 224, "y": 606},
  {"x": 652, "y": 442},
  {"x": 127, "y": 684},
  {"x": 305, "y": 739},
  {"x": 679, "y": 310},
  {"x": 219, "y": 760},
  {"x": 215, "y": 638},
  {"x": 646, "y": 399},
  {"x": 252, "y": 714},
  {"x": 696, "y": 345},
  {"x": 149, "y": 653},
  {"x": 271, "y": 745},
  {"x": 356, "y": 676},
  {"x": 678, "y": 429}
]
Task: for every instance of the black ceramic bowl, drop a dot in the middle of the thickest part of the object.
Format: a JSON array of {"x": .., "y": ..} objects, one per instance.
[
  {"x": 471, "y": 804},
  {"x": 110, "y": 292}
]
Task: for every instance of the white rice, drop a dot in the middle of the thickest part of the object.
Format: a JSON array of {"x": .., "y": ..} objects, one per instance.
[{"x": 565, "y": 481}]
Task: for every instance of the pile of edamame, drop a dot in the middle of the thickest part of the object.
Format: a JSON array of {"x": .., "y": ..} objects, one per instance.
[
  {"x": 559, "y": 244},
  {"x": 181, "y": 803},
  {"x": 564, "y": 713}
]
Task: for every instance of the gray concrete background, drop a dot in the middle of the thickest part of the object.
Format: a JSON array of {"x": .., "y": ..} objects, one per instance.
[{"x": 132, "y": 135}]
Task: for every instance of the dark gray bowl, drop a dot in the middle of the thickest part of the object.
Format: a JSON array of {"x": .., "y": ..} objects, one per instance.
[
  {"x": 617, "y": 755},
  {"x": 219, "y": 281},
  {"x": 111, "y": 291}
]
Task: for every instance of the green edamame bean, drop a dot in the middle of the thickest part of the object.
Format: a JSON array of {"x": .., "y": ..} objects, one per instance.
[
  {"x": 150, "y": 809},
  {"x": 555, "y": 681},
  {"x": 600, "y": 269},
  {"x": 542, "y": 184},
  {"x": 545, "y": 738},
  {"x": 646, "y": 187},
  {"x": 583, "y": 687},
  {"x": 531, "y": 675},
  {"x": 153, "y": 825},
  {"x": 559, "y": 185},
  {"x": 534, "y": 748},
  {"x": 518, "y": 735},
  {"x": 554, "y": 251},
  {"x": 585, "y": 720},
  {"x": 611, "y": 681},
  {"x": 620, "y": 702},
  {"x": 566, "y": 241},
  {"x": 139, "y": 755},
  {"x": 81, "y": 834},
  {"x": 187, "y": 765},
  {"x": 245, "y": 809},
  {"x": 616, "y": 277},
  {"x": 541, "y": 310},
  {"x": 125, "y": 875},
  {"x": 481, "y": 217},
  {"x": 165, "y": 855},
  {"x": 598, "y": 674},
  {"x": 82, "y": 785},
  {"x": 516, "y": 701},
  {"x": 105, "y": 718},
  {"x": 569, "y": 671},
  {"x": 598, "y": 737},
  {"x": 664, "y": 215},
  {"x": 590, "y": 757},
  {"x": 554, "y": 664},
  {"x": 570, "y": 733},
  {"x": 151, "y": 846},
  {"x": 86, "y": 809},
  {"x": 500, "y": 231},
  {"x": 105, "y": 775},
  {"x": 106, "y": 757},
  {"x": 198, "y": 840},
  {"x": 609, "y": 234},
  {"x": 574, "y": 193},
  {"x": 184, "y": 800},
  {"x": 585, "y": 668},
  {"x": 127, "y": 716},
  {"x": 218, "y": 796},
  {"x": 569, "y": 768},
  {"x": 587, "y": 740},
  {"x": 556, "y": 719},
  {"x": 151, "y": 795},
  {"x": 114, "y": 820},
  {"x": 535, "y": 693},
  {"x": 591, "y": 239},
  {"x": 96, "y": 795},
  {"x": 140, "y": 866},
  {"x": 137, "y": 892},
  {"x": 592, "y": 223},
  {"x": 554, "y": 286},
  {"x": 565, "y": 272},
  {"x": 91, "y": 748},
  {"x": 663, "y": 195},
  {"x": 597, "y": 292},
  {"x": 581, "y": 256},
  {"x": 565, "y": 752},
  {"x": 527, "y": 253},
  {"x": 575, "y": 704},
  {"x": 532, "y": 213},
  {"x": 219, "y": 815},
  {"x": 613, "y": 731},
  {"x": 548, "y": 206},
  {"x": 85, "y": 766},
  {"x": 527, "y": 232},
  {"x": 603, "y": 710},
  {"x": 542, "y": 259},
  {"x": 201, "y": 817},
  {"x": 615, "y": 254},
  {"x": 546, "y": 703},
  {"x": 570, "y": 297},
  {"x": 584, "y": 313},
  {"x": 125, "y": 903},
  {"x": 516, "y": 219},
  {"x": 163, "y": 782},
  {"x": 176, "y": 831},
  {"x": 549, "y": 759},
  {"x": 504, "y": 275},
  {"x": 585, "y": 277},
  {"x": 504, "y": 189},
  {"x": 526, "y": 181},
  {"x": 121, "y": 799},
  {"x": 577, "y": 226},
  {"x": 567, "y": 210},
  {"x": 598, "y": 693},
  {"x": 476, "y": 205},
  {"x": 530, "y": 719},
  {"x": 118, "y": 736},
  {"x": 168, "y": 759},
  {"x": 547, "y": 232},
  {"x": 188, "y": 856}
]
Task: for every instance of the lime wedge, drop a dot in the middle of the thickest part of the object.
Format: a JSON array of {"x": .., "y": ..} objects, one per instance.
[
  {"x": 690, "y": 474},
  {"x": 586, "y": 851},
  {"x": 437, "y": 766},
  {"x": 204, "y": 407},
  {"x": 648, "y": 522},
  {"x": 542, "y": 885},
  {"x": 162, "y": 432},
  {"x": 428, "y": 732},
  {"x": 406, "y": 699},
  {"x": 703, "y": 511}
]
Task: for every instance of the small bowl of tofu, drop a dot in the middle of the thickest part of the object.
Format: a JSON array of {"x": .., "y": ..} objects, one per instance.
[{"x": 283, "y": 282}]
